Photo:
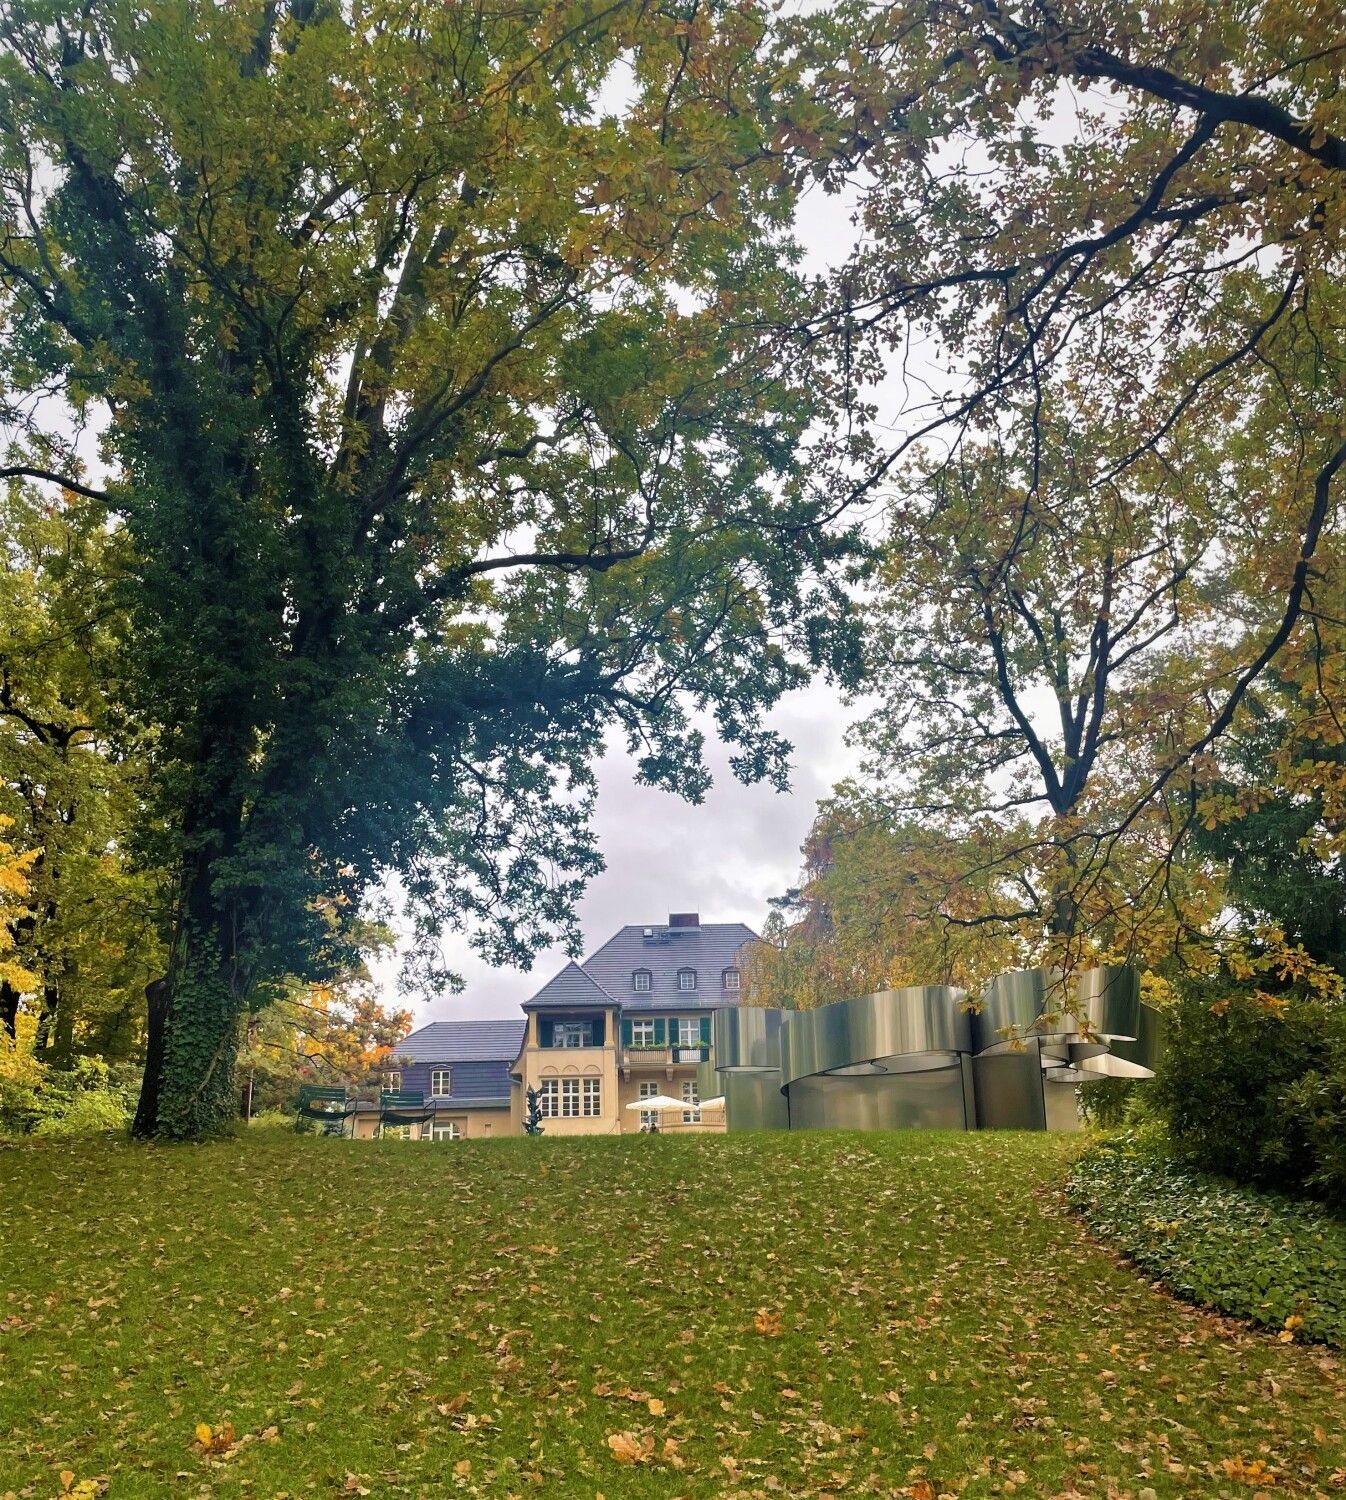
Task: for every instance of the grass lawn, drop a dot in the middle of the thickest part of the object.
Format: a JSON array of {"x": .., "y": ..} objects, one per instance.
[{"x": 481, "y": 1318}]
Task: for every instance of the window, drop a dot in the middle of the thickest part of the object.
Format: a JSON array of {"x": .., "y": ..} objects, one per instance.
[
  {"x": 649, "y": 1120},
  {"x": 593, "y": 1096},
  {"x": 395, "y": 1132},
  {"x": 549, "y": 1098},
  {"x": 686, "y": 979},
  {"x": 439, "y": 1083},
  {"x": 731, "y": 979},
  {"x": 570, "y": 1098},
  {"x": 689, "y": 1031},
  {"x": 640, "y": 981},
  {"x": 642, "y": 1033},
  {"x": 392, "y": 1082},
  {"x": 446, "y": 1130},
  {"x": 572, "y": 1034},
  {"x": 690, "y": 1096}
]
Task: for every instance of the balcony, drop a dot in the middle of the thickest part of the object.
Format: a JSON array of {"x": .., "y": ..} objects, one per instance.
[{"x": 663, "y": 1055}]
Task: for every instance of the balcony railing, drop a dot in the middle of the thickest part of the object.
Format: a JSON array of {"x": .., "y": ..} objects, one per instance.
[{"x": 662, "y": 1053}]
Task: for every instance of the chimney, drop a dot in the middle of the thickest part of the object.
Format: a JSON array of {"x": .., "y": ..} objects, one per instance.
[{"x": 684, "y": 919}]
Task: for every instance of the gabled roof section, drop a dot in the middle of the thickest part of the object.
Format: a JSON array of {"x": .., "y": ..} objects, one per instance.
[
  {"x": 571, "y": 989},
  {"x": 710, "y": 948},
  {"x": 464, "y": 1041}
]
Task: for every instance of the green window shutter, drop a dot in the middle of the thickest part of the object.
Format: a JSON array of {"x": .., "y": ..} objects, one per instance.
[
  {"x": 628, "y": 1035},
  {"x": 705, "y": 1031},
  {"x": 544, "y": 1031},
  {"x": 600, "y": 1029},
  {"x": 660, "y": 1031}
]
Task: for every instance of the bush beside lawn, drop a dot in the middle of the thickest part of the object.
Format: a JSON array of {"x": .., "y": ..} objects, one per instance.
[{"x": 1275, "y": 1261}]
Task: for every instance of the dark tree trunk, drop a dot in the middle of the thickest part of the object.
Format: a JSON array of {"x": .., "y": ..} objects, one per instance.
[
  {"x": 195, "y": 1028},
  {"x": 9, "y": 1008},
  {"x": 158, "y": 996}
]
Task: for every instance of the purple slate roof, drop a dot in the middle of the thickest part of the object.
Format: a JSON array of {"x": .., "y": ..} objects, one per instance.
[
  {"x": 464, "y": 1041},
  {"x": 710, "y": 949},
  {"x": 571, "y": 989}
]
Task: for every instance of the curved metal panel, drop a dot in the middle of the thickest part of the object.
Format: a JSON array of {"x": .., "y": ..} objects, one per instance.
[
  {"x": 1011, "y": 1003},
  {"x": 927, "y": 1100},
  {"x": 882, "y": 1028},
  {"x": 1110, "y": 997},
  {"x": 746, "y": 1036},
  {"x": 1009, "y": 1089},
  {"x": 753, "y": 1100}
]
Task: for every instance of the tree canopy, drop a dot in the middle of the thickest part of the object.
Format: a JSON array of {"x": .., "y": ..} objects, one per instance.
[
  {"x": 443, "y": 410},
  {"x": 1093, "y": 343}
]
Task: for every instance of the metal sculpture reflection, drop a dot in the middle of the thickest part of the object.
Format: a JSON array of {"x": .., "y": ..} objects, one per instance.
[{"x": 930, "y": 1058}]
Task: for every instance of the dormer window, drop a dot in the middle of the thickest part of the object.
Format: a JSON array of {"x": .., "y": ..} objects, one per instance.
[
  {"x": 686, "y": 979},
  {"x": 730, "y": 979},
  {"x": 640, "y": 981}
]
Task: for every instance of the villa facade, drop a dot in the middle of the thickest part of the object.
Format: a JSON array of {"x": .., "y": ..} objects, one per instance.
[{"x": 632, "y": 1021}]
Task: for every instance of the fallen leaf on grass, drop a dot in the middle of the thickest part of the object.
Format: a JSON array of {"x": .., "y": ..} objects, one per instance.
[
  {"x": 767, "y": 1323},
  {"x": 215, "y": 1440},
  {"x": 627, "y": 1450}
]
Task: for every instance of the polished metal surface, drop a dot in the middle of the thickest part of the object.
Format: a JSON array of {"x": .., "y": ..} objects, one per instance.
[
  {"x": 754, "y": 1101},
  {"x": 929, "y": 1100},
  {"x": 925, "y": 1058},
  {"x": 1010, "y": 1089},
  {"x": 895, "y": 1029},
  {"x": 746, "y": 1036}
]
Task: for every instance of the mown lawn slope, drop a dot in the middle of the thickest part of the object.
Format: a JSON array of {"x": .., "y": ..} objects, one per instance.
[{"x": 784, "y": 1315}]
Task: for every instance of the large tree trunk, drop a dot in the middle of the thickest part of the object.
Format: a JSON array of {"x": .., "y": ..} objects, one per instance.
[
  {"x": 188, "y": 1091},
  {"x": 195, "y": 1026}
]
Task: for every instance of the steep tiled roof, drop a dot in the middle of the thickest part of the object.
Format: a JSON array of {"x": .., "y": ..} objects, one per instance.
[
  {"x": 710, "y": 949},
  {"x": 464, "y": 1041},
  {"x": 571, "y": 989}
]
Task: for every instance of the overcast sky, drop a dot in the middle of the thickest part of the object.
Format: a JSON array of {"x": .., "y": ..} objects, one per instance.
[{"x": 723, "y": 859}]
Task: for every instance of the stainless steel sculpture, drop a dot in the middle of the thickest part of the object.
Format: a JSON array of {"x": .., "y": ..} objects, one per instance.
[{"x": 929, "y": 1057}]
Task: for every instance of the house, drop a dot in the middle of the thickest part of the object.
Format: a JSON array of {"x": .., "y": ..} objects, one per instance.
[
  {"x": 631, "y": 1021},
  {"x": 462, "y": 1070}
]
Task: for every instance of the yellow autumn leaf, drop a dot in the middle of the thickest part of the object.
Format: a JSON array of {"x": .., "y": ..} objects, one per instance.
[
  {"x": 203, "y": 1434},
  {"x": 656, "y": 1406},
  {"x": 767, "y": 1323}
]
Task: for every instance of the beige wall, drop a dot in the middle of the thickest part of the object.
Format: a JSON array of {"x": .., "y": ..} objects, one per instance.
[
  {"x": 475, "y": 1124},
  {"x": 538, "y": 1063}
]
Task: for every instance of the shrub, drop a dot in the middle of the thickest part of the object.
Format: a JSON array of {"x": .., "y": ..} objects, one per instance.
[
  {"x": 1256, "y": 1255},
  {"x": 91, "y": 1095},
  {"x": 1103, "y": 1101},
  {"x": 1314, "y": 1111},
  {"x": 1256, "y": 1093}
]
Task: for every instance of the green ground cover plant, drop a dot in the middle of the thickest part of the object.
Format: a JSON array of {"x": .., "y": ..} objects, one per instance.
[
  {"x": 815, "y": 1315},
  {"x": 1278, "y": 1262}
]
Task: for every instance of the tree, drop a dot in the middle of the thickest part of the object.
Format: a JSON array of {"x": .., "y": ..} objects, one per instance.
[
  {"x": 72, "y": 769},
  {"x": 1115, "y": 484},
  {"x": 532, "y": 1121},
  {"x": 885, "y": 902},
  {"x": 447, "y": 428},
  {"x": 337, "y": 1032}
]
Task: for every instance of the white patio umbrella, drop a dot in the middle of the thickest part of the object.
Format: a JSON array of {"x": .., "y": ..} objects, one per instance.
[
  {"x": 716, "y": 1103},
  {"x": 658, "y": 1102}
]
